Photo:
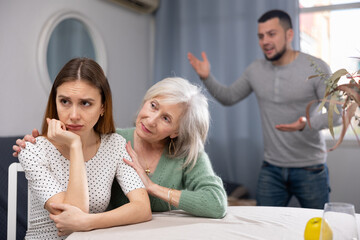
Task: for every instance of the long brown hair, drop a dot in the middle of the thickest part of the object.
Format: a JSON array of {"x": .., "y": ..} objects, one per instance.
[{"x": 87, "y": 70}]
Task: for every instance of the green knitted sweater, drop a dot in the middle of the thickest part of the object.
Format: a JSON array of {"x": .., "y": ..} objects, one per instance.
[{"x": 202, "y": 192}]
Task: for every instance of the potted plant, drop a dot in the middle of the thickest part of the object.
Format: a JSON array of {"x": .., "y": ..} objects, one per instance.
[{"x": 347, "y": 95}]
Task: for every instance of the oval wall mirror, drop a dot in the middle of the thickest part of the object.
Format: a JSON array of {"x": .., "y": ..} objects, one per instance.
[
  {"x": 69, "y": 39},
  {"x": 67, "y": 35}
]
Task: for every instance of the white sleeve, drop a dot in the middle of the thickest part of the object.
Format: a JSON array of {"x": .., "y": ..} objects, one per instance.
[
  {"x": 41, "y": 179},
  {"x": 126, "y": 176}
]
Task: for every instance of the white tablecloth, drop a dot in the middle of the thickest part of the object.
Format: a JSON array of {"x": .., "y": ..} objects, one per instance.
[{"x": 265, "y": 223}]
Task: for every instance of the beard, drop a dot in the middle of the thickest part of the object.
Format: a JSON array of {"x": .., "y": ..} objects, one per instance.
[{"x": 277, "y": 56}]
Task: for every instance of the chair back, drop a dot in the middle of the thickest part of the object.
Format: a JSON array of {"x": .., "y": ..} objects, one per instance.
[{"x": 14, "y": 168}]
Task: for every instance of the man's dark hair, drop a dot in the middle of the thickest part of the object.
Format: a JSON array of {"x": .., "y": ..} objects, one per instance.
[{"x": 283, "y": 17}]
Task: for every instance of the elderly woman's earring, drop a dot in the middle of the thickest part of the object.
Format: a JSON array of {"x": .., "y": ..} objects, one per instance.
[{"x": 171, "y": 146}]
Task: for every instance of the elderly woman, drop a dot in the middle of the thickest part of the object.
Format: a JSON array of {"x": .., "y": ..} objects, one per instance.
[
  {"x": 167, "y": 149},
  {"x": 74, "y": 162}
]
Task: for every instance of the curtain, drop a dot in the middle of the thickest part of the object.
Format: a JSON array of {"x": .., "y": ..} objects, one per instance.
[{"x": 227, "y": 32}]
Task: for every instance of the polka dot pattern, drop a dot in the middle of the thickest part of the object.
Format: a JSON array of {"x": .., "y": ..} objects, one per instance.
[{"x": 47, "y": 172}]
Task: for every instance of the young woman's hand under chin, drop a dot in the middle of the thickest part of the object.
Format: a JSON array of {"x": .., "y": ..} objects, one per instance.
[{"x": 58, "y": 133}]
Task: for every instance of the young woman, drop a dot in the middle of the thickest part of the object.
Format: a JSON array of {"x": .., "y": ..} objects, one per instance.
[{"x": 78, "y": 156}]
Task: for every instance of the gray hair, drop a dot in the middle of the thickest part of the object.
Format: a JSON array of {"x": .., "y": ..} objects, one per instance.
[{"x": 195, "y": 121}]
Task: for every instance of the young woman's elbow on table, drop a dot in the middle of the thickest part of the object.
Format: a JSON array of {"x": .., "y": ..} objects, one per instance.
[
  {"x": 141, "y": 202},
  {"x": 144, "y": 213},
  {"x": 60, "y": 198},
  {"x": 137, "y": 210}
]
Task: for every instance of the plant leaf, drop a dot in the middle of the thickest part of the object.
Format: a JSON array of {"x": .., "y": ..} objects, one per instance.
[
  {"x": 323, "y": 101},
  {"x": 336, "y": 110},
  {"x": 308, "y": 111},
  {"x": 337, "y": 75},
  {"x": 334, "y": 80},
  {"x": 322, "y": 104},
  {"x": 347, "y": 115},
  {"x": 314, "y": 76},
  {"x": 350, "y": 91},
  {"x": 332, "y": 105}
]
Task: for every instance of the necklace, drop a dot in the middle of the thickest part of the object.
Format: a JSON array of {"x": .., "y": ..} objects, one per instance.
[
  {"x": 147, "y": 170},
  {"x": 154, "y": 162},
  {"x": 154, "y": 155}
]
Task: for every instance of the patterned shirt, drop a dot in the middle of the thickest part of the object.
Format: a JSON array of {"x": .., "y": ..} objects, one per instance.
[{"x": 47, "y": 172}]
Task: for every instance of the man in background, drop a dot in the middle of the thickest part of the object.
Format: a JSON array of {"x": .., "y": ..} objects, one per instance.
[{"x": 294, "y": 155}]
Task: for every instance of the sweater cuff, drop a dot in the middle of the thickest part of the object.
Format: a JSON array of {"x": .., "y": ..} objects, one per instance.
[
  {"x": 187, "y": 202},
  {"x": 191, "y": 205}
]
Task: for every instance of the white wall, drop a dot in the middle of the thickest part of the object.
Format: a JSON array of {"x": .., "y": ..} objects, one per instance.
[
  {"x": 344, "y": 167},
  {"x": 128, "y": 38}
]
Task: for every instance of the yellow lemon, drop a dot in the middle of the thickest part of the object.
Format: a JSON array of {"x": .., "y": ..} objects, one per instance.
[{"x": 313, "y": 228}]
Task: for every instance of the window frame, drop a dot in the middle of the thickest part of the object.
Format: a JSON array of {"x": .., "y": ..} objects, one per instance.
[
  {"x": 349, "y": 141},
  {"x": 330, "y": 7}
]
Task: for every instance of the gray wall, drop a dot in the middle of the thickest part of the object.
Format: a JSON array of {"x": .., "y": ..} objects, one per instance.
[{"x": 128, "y": 39}]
